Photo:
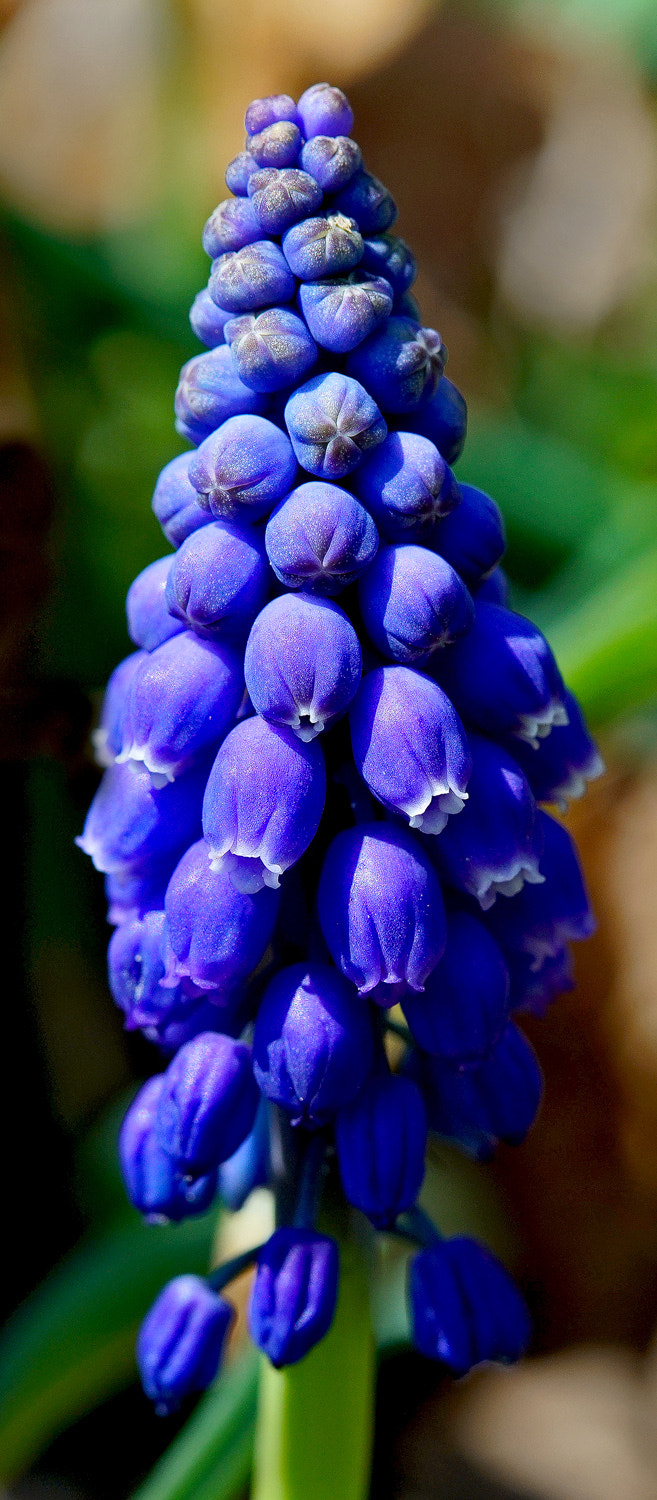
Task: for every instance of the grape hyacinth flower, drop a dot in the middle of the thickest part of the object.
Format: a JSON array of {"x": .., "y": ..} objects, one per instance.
[{"x": 314, "y": 812}]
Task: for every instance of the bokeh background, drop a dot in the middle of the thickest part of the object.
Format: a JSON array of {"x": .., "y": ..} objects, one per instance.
[{"x": 519, "y": 138}]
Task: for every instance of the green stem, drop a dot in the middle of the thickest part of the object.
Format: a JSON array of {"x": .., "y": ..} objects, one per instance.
[{"x": 314, "y": 1428}]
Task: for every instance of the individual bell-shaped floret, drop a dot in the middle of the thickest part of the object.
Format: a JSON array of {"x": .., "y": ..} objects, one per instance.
[
  {"x": 238, "y": 172},
  {"x": 477, "y": 1107},
  {"x": 278, "y": 145},
  {"x": 107, "y": 738},
  {"x": 413, "y": 603},
  {"x": 331, "y": 160},
  {"x": 255, "y": 276},
  {"x": 175, "y": 502},
  {"x": 442, "y": 417},
  {"x": 381, "y": 1140},
  {"x": 135, "y": 966},
  {"x": 386, "y": 255},
  {"x": 494, "y": 589},
  {"x": 367, "y": 201},
  {"x": 542, "y": 918},
  {"x": 232, "y": 224},
  {"x": 329, "y": 245},
  {"x": 503, "y": 677},
  {"x": 497, "y": 844},
  {"x": 320, "y": 539},
  {"x": 181, "y": 1341},
  {"x": 406, "y": 486},
  {"x": 341, "y": 311},
  {"x": 282, "y": 196},
  {"x": 153, "y": 1183},
  {"x": 215, "y": 934},
  {"x": 559, "y": 770},
  {"x": 302, "y": 664},
  {"x": 312, "y": 1044},
  {"x": 472, "y": 538},
  {"x": 132, "y": 824},
  {"x": 132, "y": 893},
  {"x": 208, "y": 1102},
  {"x": 410, "y": 746},
  {"x": 207, "y": 320},
  {"x": 181, "y": 701},
  {"x": 264, "y": 112},
  {"x": 465, "y": 1309},
  {"x": 218, "y": 580},
  {"x": 243, "y": 468},
  {"x": 325, "y": 110},
  {"x": 149, "y": 621},
  {"x": 210, "y": 391},
  {"x": 332, "y": 422},
  {"x": 465, "y": 1005},
  {"x": 248, "y": 1167},
  {"x": 271, "y": 349},
  {"x": 533, "y": 990},
  {"x": 294, "y": 1294},
  {"x": 399, "y": 363},
  {"x": 381, "y": 910},
  {"x": 263, "y": 802}
]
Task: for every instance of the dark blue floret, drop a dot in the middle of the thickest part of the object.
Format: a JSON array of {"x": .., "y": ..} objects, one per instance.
[
  {"x": 542, "y": 918},
  {"x": 381, "y": 1140},
  {"x": 465, "y": 1309},
  {"x": 233, "y": 223},
  {"x": 280, "y": 197},
  {"x": 325, "y": 110},
  {"x": 466, "y": 1001},
  {"x": 494, "y": 848},
  {"x": 133, "y": 825},
  {"x": 313, "y": 1043},
  {"x": 278, "y": 145},
  {"x": 320, "y": 539},
  {"x": 154, "y": 1185},
  {"x": 264, "y": 112},
  {"x": 207, "y": 1104},
  {"x": 215, "y": 934},
  {"x": 238, "y": 172},
  {"x": 253, "y": 277},
  {"x": 366, "y": 200},
  {"x": 342, "y": 311},
  {"x": 407, "y": 486},
  {"x": 148, "y": 618},
  {"x": 175, "y": 502},
  {"x": 207, "y": 320},
  {"x": 399, "y": 364},
  {"x": 332, "y": 422},
  {"x": 442, "y": 417},
  {"x": 410, "y": 746},
  {"x": 413, "y": 603},
  {"x": 386, "y": 255},
  {"x": 271, "y": 349},
  {"x": 559, "y": 770},
  {"x": 242, "y": 469},
  {"x": 503, "y": 677},
  {"x": 302, "y": 663},
  {"x": 108, "y": 737},
  {"x": 218, "y": 580},
  {"x": 209, "y": 391},
  {"x": 496, "y": 1100},
  {"x": 473, "y": 538},
  {"x": 294, "y": 1294},
  {"x": 328, "y": 245},
  {"x": 181, "y": 1341},
  {"x": 332, "y": 160}
]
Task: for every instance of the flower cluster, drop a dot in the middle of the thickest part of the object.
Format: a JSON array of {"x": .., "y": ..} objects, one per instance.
[{"x": 324, "y": 761}]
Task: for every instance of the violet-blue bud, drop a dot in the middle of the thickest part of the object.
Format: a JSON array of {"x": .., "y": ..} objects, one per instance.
[
  {"x": 381, "y": 1139},
  {"x": 181, "y": 1341},
  {"x": 108, "y": 737},
  {"x": 219, "y": 579},
  {"x": 216, "y": 934},
  {"x": 132, "y": 893},
  {"x": 399, "y": 363},
  {"x": 208, "y": 1102},
  {"x": 381, "y": 910},
  {"x": 494, "y": 589},
  {"x": 325, "y": 110},
  {"x": 149, "y": 621},
  {"x": 282, "y": 196},
  {"x": 559, "y": 770},
  {"x": 207, "y": 320},
  {"x": 312, "y": 1043},
  {"x": 232, "y": 224},
  {"x": 503, "y": 677},
  {"x": 132, "y": 824},
  {"x": 332, "y": 422},
  {"x": 302, "y": 664},
  {"x": 542, "y": 918},
  {"x": 497, "y": 1100},
  {"x": 238, "y": 172},
  {"x": 210, "y": 391},
  {"x": 320, "y": 539},
  {"x": 465, "y": 1005},
  {"x": 294, "y": 1294},
  {"x": 472, "y": 539},
  {"x": 263, "y": 802},
  {"x": 271, "y": 349},
  {"x": 496, "y": 845},
  {"x": 465, "y": 1309},
  {"x": 243, "y": 468},
  {"x": 153, "y": 1183},
  {"x": 331, "y": 160},
  {"x": 255, "y": 276},
  {"x": 135, "y": 964},
  {"x": 442, "y": 417},
  {"x": 386, "y": 255},
  {"x": 175, "y": 502},
  {"x": 413, "y": 603},
  {"x": 410, "y": 746},
  {"x": 533, "y": 990},
  {"x": 341, "y": 311},
  {"x": 406, "y": 486},
  {"x": 264, "y": 112},
  {"x": 181, "y": 701},
  {"x": 329, "y": 245},
  {"x": 367, "y": 201},
  {"x": 278, "y": 145}
]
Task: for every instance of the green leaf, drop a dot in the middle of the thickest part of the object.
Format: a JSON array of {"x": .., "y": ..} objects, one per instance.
[
  {"x": 211, "y": 1458},
  {"x": 71, "y": 1344}
]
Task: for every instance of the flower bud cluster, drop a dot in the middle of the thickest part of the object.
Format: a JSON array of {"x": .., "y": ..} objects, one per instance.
[{"x": 324, "y": 764}]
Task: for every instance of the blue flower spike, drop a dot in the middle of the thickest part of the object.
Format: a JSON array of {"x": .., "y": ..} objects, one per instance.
[{"x": 320, "y": 818}]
